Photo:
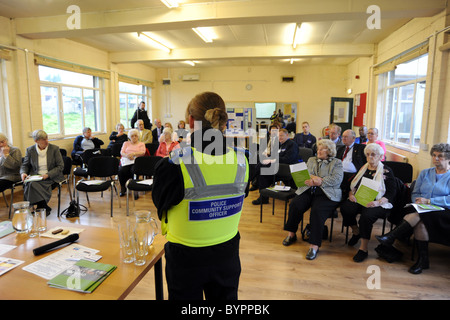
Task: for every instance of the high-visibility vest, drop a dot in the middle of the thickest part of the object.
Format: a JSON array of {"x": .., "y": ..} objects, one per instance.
[{"x": 214, "y": 194}]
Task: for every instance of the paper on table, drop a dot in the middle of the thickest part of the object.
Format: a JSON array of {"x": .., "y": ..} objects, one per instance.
[
  {"x": 367, "y": 191},
  {"x": 421, "y": 208},
  {"x": 6, "y": 228},
  {"x": 300, "y": 174},
  {"x": 7, "y": 264},
  {"x": 4, "y": 248},
  {"x": 54, "y": 264},
  {"x": 48, "y": 233}
]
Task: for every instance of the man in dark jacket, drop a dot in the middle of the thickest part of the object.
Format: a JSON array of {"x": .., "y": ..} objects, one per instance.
[
  {"x": 141, "y": 113},
  {"x": 353, "y": 158},
  {"x": 287, "y": 153}
]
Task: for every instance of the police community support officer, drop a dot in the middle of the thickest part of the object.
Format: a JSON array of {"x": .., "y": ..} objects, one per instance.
[{"x": 199, "y": 194}]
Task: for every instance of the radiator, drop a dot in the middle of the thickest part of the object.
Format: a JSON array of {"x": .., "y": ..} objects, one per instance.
[{"x": 392, "y": 156}]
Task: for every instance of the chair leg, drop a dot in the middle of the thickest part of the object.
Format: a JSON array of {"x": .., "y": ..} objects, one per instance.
[
  {"x": 11, "y": 202},
  {"x": 273, "y": 206},
  {"x": 4, "y": 198},
  {"x": 285, "y": 210},
  {"x": 384, "y": 225},
  {"x": 112, "y": 198},
  {"x": 128, "y": 202},
  {"x": 59, "y": 199},
  {"x": 346, "y": 234},
  {"x": 87, "y": 198},
  {"x": 260, "y": 214}
]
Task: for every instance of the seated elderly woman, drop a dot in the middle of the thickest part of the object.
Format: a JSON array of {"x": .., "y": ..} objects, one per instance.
[
  {"x": 432, "y": 187},
  {"x": 86, "y": 141},
  {"x": 379, "y": 208},
  {"x": 166, "y": 143},
  {"x": 10, "y": 161},
  {"x": 43, "y": 160},
  {"x": 321, "y": 193},
  {"x": 129, "y": 152},
  {"x": 117, "y": 137}
]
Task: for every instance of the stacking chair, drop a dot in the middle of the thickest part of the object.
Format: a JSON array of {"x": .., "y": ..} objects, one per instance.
[
  {"x": 402, "y": 170},
  {"x": 143, "y": 166},
  {"x": 152, "y": 147},
  {"x": 86, "y": 156},
  {"x": 284, "y": 174},
  {"x": 12, "y": 188},
  {"x": 66, "y": 172},
  {"x": 305, "y": 153},
  {"x": 115, "y": 149},
  {"x": 100, "y": 167}
]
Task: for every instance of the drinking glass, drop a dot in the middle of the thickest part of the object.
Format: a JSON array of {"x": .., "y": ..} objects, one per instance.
[{"x": 126, "y": 234}]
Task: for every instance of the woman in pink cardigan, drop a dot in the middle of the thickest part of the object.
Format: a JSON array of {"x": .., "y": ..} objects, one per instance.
[
  {"x": 166, "y": 144},
  {"x": 130, "y": 151},
  {"x": 372, "y": 136}
]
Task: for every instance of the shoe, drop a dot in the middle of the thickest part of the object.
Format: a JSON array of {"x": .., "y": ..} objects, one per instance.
[
  {"x": 260, "y": 200},
  {"x": 354, "y": 240},
  {"x": 122, "y": 194},
  {"x": 289, "y": 240},
  {"x": 312, "y": 254},
  {"x": 403, "y": 229},
  {"x": 360, "y": 256},
  {"x": 136, "y": 196}
]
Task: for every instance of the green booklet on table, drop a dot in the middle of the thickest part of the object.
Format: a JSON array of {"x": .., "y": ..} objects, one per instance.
[
  {"x": 300, "y": 174},
  {"x": 367, "y": 191},
  {"x": 83, "y": 276}
]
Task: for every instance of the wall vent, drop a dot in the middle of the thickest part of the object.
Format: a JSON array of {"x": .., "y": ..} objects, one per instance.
[
  {"x": 287, "y": 79},
  {"x": 191, "y": 77}
]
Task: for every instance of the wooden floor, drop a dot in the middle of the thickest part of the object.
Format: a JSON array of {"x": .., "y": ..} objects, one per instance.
[{"x": 271, "y": 271}]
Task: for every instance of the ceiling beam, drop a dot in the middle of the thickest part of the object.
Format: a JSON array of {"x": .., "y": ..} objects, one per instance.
[
  {"x": 220, "y": 13},
  {"x": 277, "y": 52}
]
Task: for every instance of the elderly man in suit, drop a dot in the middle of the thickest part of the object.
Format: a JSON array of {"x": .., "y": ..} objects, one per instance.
[
  {"x": 145, "y": 135},
  {"x": 44, "y": 160},
  {"x": 353, "y": 158}
]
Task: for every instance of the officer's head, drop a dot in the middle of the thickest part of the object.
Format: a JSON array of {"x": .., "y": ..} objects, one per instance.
[{"x": 209, "y": 108}]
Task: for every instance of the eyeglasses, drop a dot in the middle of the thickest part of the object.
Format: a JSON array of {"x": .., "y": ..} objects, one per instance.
[
  {"x": 440, "y": 156},
  {"x": 371, "y": 155}
]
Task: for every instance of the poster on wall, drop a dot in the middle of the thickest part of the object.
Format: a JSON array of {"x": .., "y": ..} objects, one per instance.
[{"x": 360, "y": 110}]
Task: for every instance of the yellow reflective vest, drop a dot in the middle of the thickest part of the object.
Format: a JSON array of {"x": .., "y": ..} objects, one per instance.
[{"x": 214, "y": 194}]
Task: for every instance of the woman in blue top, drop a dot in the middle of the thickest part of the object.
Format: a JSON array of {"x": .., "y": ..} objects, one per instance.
[{"x": 432, "y": 187}]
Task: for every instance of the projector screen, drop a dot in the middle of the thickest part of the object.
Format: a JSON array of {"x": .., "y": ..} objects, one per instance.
[{"x": 264, "y": 110}]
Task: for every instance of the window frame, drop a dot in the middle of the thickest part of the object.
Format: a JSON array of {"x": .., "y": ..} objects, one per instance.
[
  {"x": 98, "y": 86},
  {"x": 383, "y": 104},
  {"x": 147, "y": 99}
]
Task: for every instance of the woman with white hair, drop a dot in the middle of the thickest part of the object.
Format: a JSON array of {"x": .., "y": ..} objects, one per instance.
[
  {"x": 166, "y": 143},
  {"x": 321, "y": 194},
  {"x": 129, "y": 152},
  {"x": 379, "y": 208},
  {"x": 43, "y": 160},
  {"x": 10, "y": 161}
]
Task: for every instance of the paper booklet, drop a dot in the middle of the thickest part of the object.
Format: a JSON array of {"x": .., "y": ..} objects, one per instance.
[
  {"x": 367, "y": 191},
  {"x": 83, "y": 276},
  {"x": 300, "y": 174},
  {"x": 33, "y": 178},
  {"x": 421, "y": 208}
]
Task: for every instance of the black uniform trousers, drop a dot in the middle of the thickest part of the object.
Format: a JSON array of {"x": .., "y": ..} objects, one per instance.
[
  {"x": 321, "y": 209},
  {"x": 212, "y": 270}
]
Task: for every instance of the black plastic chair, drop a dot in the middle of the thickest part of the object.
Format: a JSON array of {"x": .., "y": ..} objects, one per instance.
[
  {"x": 402, "y": 170},
  {"x": 143, "y": 166},
  {"x": 101, "y": 167},
  {"x": 66, "y": 172},
  {"x": 115, "y": 149},
  {"x": 284, "y": 174},
  {"x": 82, "y": 171},
  {"x": 305, "y": 153},
  {"x": 12, "y": 188},
  {"x": 152, "y": 147}
]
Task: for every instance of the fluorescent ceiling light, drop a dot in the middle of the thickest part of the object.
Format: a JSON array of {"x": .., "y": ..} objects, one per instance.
[
  {"x": 206, "y": 34},
  {"x": 171, "y": 3},
  {"x": 192, "y": 63},
  {"x": 154, "y": 42},
  {"x": 302, "y": 33}
]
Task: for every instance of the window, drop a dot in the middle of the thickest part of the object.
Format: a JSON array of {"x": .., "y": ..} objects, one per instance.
[
  {"x": 70, "y": 101},
  {"x": 130, "y": 96},
  {"x": 401, "y": 95}
]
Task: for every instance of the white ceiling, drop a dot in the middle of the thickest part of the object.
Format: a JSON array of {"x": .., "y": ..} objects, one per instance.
[{"x": 249, "y": 32}]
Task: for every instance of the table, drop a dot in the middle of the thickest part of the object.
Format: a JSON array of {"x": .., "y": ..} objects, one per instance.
[{"x": 21, "y": 284}]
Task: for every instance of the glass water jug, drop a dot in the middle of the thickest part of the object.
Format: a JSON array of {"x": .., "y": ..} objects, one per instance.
[
  {"x": 22, "y": 219},
  {"x": 146, "y": 224}
]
